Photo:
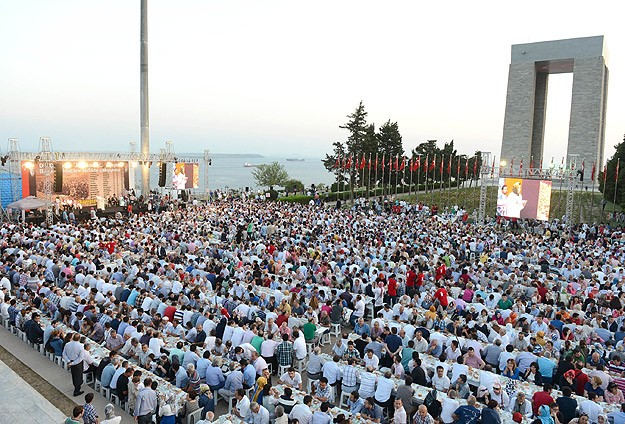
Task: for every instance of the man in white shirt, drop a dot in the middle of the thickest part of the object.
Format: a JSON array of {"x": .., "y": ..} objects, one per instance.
[
  {"x": 591, "y": 407},
  {"x": 420, "y": 344},
  {"x": 458, "y": 369},
  {"x": 385, "y": 388},
  {"x": 259, "y": 363},
  {"x": 242, "y": 409},
  {"x": 301, "y": 412},
  {"x": 292, "y": 379},
  {"x": 440, "y": 381},
  {"x": 371, "y": 360},
  {"x": 331, "y": 371},
  {"x": 449, "y": 406},
  {"x": 400, "y": 416},
  {"x": 259, "y": 414},
  {"x": 299, "y": 345},
  {"x": 359, "y": 310}
]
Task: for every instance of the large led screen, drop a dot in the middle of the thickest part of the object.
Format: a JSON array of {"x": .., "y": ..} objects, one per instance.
[
  {"x": 523, "y": 198},
  {"x": 186, "y": 175}
]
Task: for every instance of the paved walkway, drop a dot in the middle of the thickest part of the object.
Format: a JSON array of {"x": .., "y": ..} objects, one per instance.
[
  {"x": 49, "y": 371},
  {"x": 20, "y": 403}
]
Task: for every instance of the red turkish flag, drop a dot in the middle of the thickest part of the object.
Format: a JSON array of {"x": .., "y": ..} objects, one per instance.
[{"x": 592, "y": 173}]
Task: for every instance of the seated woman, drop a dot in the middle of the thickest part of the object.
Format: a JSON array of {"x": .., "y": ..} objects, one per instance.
[
  {"x": 206, "y": 402},
  {"x": 594, "y": 386},
  {"x": 167, "y": 415},
  {"x": 511, "y": 370},
  {"x": 190, "y": 406},
  {"x": 533, "y": 375}
]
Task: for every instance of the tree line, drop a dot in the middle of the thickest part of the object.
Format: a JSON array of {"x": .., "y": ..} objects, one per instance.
[{"x": 372, "y": 158}]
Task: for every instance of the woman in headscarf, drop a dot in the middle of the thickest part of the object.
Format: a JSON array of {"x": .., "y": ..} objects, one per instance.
[
  {"x": 261, "y": 382},
  {"x": 498, "y": 318},
  {"x": 544, "y": 415},
  {"x": 568, "y": 380}
]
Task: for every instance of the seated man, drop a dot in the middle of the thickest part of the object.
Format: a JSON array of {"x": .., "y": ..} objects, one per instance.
[
  {"x": 371, "y": 411},
  {"x": 291, "y": 379}
]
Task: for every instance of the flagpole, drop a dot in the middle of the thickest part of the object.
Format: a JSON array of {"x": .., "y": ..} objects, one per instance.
[
  {"x": 369, "y": 178},
  {"x": 418, "y": 179},
  {"x": 440, "y": 187},
  {"x": 618, "y": 163},
  {"x": 403, "y": 178},
  {"x": 396, "y": 172},
  {"x": 458, "y": 183},
  {"x": 425, "y": 181},
  {"x": 363, "y": 173},
  {"x": 382, "y": 165},
  {"x": 375, "y": 187},
  {"x": 592, "y": 199},
  {"x": 340, "y": 178},
  {"x": 561, "y": 173},
  {"x": 412, "y": 165},
  {"x": 448, "y": 182}
]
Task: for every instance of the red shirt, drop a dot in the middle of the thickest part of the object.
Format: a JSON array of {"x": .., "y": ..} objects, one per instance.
[
  {"x": 440, "y": 272},
  {"x": 392, "y": 287},
  {"x": 420, "y": 279},
  {"x": 169, "y": 312},
  {"x": 441, "y": 296},
  {"x": 580, "y": 381},
  {"x": 539, "y": 399},
  {"x": 281, "y": 318},
  {"x": 411, "y": 276}
]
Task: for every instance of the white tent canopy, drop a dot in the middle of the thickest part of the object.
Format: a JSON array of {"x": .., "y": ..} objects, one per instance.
[{"x": 28, "y": 203}]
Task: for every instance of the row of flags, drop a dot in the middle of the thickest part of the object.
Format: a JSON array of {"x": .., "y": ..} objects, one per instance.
[
  {"x": 414, "y": 164},
  {"x": 401, "y": 164}
]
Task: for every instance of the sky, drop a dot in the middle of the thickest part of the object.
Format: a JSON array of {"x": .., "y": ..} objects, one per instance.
[{"x": 279, "y": 77}]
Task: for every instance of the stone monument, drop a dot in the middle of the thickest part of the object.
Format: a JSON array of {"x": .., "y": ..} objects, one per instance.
[{"x": 526, "y": 101}]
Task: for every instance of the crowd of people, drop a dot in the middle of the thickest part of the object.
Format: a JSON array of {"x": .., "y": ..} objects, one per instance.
[{"x": 220, "y": 299}]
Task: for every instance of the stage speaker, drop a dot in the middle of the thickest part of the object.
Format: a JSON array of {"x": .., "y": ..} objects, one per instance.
[
  {"x": 126, "y": 178},
  {"x": 162, "y": 174},
  {"x": 58, "y": 177}
]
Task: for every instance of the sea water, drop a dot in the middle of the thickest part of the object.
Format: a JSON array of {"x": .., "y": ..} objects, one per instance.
[{"x": 229, "y": 171}]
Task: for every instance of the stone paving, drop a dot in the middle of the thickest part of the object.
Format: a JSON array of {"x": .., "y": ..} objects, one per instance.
[{"x": 20, "y": 403}]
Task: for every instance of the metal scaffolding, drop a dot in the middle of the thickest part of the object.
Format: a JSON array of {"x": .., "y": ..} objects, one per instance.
[
  {"x": 45, "y": 160},
  {"x": 485, "y": 171},
  {"x": 14, "y": 168}
]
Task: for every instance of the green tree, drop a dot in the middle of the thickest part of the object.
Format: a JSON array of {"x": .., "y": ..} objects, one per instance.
[
  {"x": 611, "y": 182},
  {"x": 293, "y": 185},
  {"x": 390, "y": 148},
  {"x": 269, "y": 175},
  {"x": 354, "y": 145},
  {"x": 426, "y": 152}
]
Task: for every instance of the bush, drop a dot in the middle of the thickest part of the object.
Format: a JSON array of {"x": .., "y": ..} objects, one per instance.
[
  {"x": 295, "y": 199},
  {"x": 390, "y": 190}
]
